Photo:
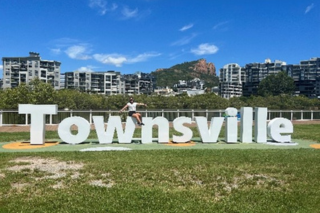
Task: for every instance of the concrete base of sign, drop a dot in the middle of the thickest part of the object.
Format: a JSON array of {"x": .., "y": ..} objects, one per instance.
[{"x": 105, "y": 149}]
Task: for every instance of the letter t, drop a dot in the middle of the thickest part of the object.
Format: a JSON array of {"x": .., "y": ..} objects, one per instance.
[{"x": 37, "y": 127}]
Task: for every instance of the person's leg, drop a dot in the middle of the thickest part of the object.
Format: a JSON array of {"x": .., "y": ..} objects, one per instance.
[
  {"x": 136, "y": 116},
  {"x": 140, "y": 118}
]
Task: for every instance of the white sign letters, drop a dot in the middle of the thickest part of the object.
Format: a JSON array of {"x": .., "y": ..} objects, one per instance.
[{"x": 278, "y": 129}]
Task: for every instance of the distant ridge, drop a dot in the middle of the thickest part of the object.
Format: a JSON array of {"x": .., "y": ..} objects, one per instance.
[{"x": 187, "y": 71}]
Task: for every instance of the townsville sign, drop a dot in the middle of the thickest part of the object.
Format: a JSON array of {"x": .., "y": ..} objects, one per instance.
[{"x": 278, "y": 129}]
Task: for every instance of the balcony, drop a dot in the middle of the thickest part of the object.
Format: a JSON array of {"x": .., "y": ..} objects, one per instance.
[
  {"x": 15, "y": 67},
  {"x": 44, "y": 65}
]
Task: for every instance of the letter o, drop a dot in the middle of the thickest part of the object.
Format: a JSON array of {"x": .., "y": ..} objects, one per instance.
[{"x": 65, "y": 133}]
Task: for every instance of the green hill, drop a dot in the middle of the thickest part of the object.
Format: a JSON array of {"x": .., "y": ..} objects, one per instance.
[{"x": 187, "y": 71}]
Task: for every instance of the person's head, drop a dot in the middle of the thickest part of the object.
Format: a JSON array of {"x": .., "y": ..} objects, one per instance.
[{"x": 131, "y": 100}]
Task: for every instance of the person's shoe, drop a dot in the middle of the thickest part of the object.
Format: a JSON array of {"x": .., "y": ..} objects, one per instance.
[{"x": 141, "y": 123}]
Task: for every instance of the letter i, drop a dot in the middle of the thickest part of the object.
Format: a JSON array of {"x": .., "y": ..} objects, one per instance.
[
  {"x": 246, "y": 124},
  {"x": 260, "y": 125}
]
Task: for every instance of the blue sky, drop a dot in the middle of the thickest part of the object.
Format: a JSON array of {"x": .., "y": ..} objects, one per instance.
[{"x": 144, "y": 35}]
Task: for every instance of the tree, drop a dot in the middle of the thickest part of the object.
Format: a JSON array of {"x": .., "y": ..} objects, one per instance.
[
  {"x": 11, "y": 98},
  {"x": 41, "y": 92},
  {"x": 276, "y": 84}
]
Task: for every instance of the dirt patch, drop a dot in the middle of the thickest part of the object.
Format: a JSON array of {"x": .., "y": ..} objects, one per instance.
[
  {"x": 40, "y": 169},
  {"x": 101, "y": 183},
  {"x": 54, "y": 168},
  {"x": 49, "y": 168}
]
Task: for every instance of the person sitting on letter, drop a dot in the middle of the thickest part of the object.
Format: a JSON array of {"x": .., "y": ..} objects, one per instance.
[{"x": 131, "y": 105}]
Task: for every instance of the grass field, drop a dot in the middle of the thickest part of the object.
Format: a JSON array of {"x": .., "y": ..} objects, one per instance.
[{"x": 184, "y": 180}]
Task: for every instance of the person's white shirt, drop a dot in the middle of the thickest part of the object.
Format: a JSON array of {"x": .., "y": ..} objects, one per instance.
[{"x": 132, "y": 106}]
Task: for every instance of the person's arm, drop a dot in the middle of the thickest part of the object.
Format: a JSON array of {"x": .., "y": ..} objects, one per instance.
[
  {"x": 123, "y": 108},
  {"x": 141, "y": 104}
]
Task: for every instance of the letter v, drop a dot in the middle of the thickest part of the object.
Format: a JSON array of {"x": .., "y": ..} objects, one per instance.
[{"x": 209, "y": 135}]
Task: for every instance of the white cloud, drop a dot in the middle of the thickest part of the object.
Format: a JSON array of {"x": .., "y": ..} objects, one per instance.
[
  {"x": 56, "y": 51},
  {"x": 1, "y": 67},
  {"x": 61, "y": 44},
  {"x": 143, "y": 57},
  {"x": 219, "y": 25},
  {"x": 118, "y": 60},
  {"x": 113, "y": 7},
  {"x": 86, "y": 69},
  {"x": 310, "y": 7},
  {"x": 187, "y": 27},
  {"x": 175, "y": 55},
  {"x": 78, "y": 52},
  {"x": 114, "y": 59},
  {"x": 184, "y": 40},
  {"x": 101, "y": 6},
  {"x": 128, "y": 13},
  {"x": 205, "y": 49}
]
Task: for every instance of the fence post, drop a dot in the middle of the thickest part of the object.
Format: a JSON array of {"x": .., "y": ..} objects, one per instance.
[
  {"x": 0, "y": 117},
  {"x": 301, "y": 114},
  {"x": 26, "y": 119},
  {"x": 162, "y": 113},
  {"x": 50, "y": 119},
  {"x": 178, "y": 113},
  {"x": 90, "y": 116},
  {"x": 312, "y": 115},
  {"x": 192, "y": 115},
  {"x": 291, "y": 115},
  {"x": 207, "y": 115}
]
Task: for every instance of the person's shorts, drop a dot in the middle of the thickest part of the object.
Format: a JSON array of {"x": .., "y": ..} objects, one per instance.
[{"x": 131, "y": 113}]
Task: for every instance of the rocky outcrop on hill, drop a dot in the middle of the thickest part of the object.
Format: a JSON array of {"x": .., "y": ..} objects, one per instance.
[
  {"x": 160, "y": 69},
  {"x": 206, "y": 68}
]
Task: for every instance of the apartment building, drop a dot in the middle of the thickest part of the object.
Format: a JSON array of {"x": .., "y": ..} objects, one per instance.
[
  {"x": 62, "y": 81},
  {"x": 306, "y": 76},
  {"x": 230, "y": 81},
  {"x": 107, "y": 83},
  {"x": 17, "y": 70},
  {"x": 191, "y": 87},
  {"x": 138, "y": 83},
  {"x": 256, "y": 72}
]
